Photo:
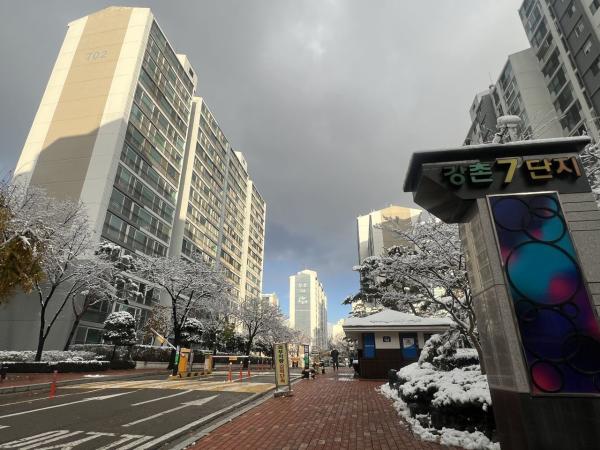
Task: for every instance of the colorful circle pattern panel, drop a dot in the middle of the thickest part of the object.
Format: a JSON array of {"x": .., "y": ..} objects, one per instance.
[{"x": 560, "y": 335}]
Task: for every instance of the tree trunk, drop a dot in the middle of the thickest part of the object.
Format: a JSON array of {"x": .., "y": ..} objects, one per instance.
[
  {"x": 477, "y": 346},
  {"x": 176, "y": 339},
  {"x": 113, "y": 353},
  {"x": 72, "y": 333},
  {"x": 41, "y": 338}
]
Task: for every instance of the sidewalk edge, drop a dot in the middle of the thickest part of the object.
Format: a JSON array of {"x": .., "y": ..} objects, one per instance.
[{"x": 245, "y": 405}]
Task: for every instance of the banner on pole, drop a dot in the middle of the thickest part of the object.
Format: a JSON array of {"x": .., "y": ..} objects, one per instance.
[{"x": 282, "y": 367}]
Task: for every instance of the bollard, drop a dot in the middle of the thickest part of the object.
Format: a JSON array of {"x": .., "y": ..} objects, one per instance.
[
  {"x": 248, "y": 370},
  {"x": 53, "y": 385},
  {"x": 229, "y": 373},
  {"x": 3, "y": 372},
  {"x": 241, "y": 375}
]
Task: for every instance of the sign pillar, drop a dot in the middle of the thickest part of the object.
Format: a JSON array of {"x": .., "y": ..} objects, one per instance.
[
  {"x": 530, "y": 228},
  {"x": 282, "y": 370}
]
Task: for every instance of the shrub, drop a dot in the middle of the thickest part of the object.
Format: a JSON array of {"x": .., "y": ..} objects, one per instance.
[
  {"x": 145, "y": 353},
  {"x": 49, "y": 355},
  {"x": 60, "y": 366}
]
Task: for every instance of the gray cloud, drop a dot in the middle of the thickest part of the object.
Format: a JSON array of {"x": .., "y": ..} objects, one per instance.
[{"x": 327, "y": 99}]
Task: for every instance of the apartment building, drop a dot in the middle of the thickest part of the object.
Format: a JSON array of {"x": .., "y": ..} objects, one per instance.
[
  {"x": 272, "y": 298},
  {"x": 521, "y": 91},
  {"x": 308, "y": 308},
  {"x": 120, "y": 128},
  {"x": 376, "y": 231},
  {"x": 564, "y": 37}
]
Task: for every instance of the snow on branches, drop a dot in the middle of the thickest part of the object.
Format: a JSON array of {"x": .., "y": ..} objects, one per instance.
[
  {"x": 119, "y": 328},
  {"x": 426, "y": 277}
]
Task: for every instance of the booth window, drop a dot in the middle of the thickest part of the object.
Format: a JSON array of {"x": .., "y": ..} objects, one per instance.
[{"x": 368, "y": 345}]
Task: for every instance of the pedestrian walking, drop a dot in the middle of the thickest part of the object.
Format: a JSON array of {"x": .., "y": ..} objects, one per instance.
[{"x": 334, "y": 358}]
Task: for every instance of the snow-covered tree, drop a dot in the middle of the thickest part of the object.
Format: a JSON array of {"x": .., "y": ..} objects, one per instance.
[
  {"x": 258, "y": 318},
  {"x": 426, "y": 277},
  {"x": 590, "y": 158},
  {"x": 191, "y": 331},
  {"x": 60, "y": 228},
  {"x": 194, "y": 288},
  {"x": 110, "y": 269},
  {"x": 27, "y": 222},
  {"x": 119, "y": 329}
]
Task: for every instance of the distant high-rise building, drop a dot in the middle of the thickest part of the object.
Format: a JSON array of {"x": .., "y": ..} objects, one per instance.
[
  {"x": 271, "y": 298},
  {"x": 119, "y": 127},
  {"x": 520, "y": 91},
  {"x": 566, "y": 41},
  {"x": 308, "y": 307},
  {"x": 376, "y": 230}
]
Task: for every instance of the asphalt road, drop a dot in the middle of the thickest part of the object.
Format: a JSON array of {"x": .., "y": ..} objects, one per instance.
[{"x": 137, "y": 414}]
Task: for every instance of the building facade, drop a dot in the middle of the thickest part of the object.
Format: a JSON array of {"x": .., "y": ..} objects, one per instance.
[
  {"x": 119, "y": 128},
  {"x": 521, "y": 91},
  {"x": 308, "y": 308},
  {"x": 375, "y": 231},
  {"x": 564, "y": 36},
  {"x": 271, "y": 298}
]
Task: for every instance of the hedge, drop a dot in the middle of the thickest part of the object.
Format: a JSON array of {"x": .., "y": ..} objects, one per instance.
[
  {"x": 145, "y": 353},
  {"x": 51, "y": 366}
]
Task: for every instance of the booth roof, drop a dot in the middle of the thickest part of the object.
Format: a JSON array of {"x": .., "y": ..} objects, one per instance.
[{"x": 391, "y": 318}]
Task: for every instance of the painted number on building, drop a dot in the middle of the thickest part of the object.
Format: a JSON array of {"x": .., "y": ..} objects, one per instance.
[
  {"x": 536, "y": 170},
  {"x": 96, "y": 55},
  {"x": 387, "y": 339}
]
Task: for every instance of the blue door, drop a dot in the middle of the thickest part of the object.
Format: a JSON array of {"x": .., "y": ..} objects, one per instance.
[
  {"x": 368, "y": 345},
  {"x": 410, "y": 348}
]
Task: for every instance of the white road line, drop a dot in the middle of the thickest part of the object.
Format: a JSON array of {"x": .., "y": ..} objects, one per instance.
[
  {"x": 46, "y": 441},
  {"x": 69, "y": 445},
  {"x": 34, "y": 438},
  {"x": 4, "y": 426},
  {"x": 160, "y": 398},
  {"x": 45, "y": 398},
  {"x": 137, "y": 439},
  {"x": 162, "y": 413},
  {"x": 104, "y": 397}
]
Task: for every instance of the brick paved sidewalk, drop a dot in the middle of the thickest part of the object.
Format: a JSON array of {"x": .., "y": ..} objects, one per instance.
[{"x": 332, "y": 412}]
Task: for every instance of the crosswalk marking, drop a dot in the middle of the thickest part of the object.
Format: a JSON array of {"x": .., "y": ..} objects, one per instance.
[
  {"x": 60, "y": 439},
  {"x": 217, "y": 386},
  {"x": 4, "y": 426}
]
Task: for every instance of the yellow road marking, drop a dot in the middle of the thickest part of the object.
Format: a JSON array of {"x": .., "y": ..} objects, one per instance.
[{"x": 215, "y": 386}]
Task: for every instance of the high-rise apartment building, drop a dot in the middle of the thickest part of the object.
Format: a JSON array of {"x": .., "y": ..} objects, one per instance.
[
  {"x": 271, "y": 298},
  {"x": 119, "y": 128},
  {"x": 308, "y": 307},
  {"x": 377, "y": 231},
  {"x": 520, "y": 91},
  {"x": 564, "y": 36}
]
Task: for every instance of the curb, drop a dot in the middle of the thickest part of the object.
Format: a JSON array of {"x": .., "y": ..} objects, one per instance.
[
  {"x": 246, "y": 405},
  {"x": 42, "y": 386}
]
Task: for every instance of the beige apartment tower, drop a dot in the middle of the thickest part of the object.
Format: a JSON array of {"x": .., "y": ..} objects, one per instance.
[
  {"x": 120, "y": 128},
  {"x": 376, "y": 230}
]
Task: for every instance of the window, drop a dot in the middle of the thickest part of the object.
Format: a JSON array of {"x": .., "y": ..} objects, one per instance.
[
  {"x": 587, "y": 47},
  {"x": 579, "y": 28},
  {"x": 594, "y": 6},
  {"x": 368, "y": 345},
  {"x": 595, "y": 67},
  {"x": 572, "y": 9}
]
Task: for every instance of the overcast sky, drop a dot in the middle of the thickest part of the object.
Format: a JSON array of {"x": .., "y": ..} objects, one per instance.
[{"x": 326, "y": 99}]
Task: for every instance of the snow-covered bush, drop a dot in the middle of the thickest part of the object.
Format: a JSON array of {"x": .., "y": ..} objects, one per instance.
[
  {"x": 119, "y": 328},
  {"x": 50, "y": 355},
  {"x": 146, "y": 353},
  {"x": 443, "y": 352},
  {"x": 191, "y": 332},
  {"x": 471, "y": 440},
  {"x": 457, "y": 399}
]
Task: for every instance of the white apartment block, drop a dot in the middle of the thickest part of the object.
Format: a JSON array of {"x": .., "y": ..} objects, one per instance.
[
  {"x": 308, "y": 308},
  {"x": 119, "y": 127},
  {"x": 376, "y": 230},
  {"x": 521, "y": 91},
  {"x": 564, "y": 36}
]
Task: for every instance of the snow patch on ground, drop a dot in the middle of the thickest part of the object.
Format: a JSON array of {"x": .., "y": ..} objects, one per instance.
[{"x": 445, "y": 436}]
